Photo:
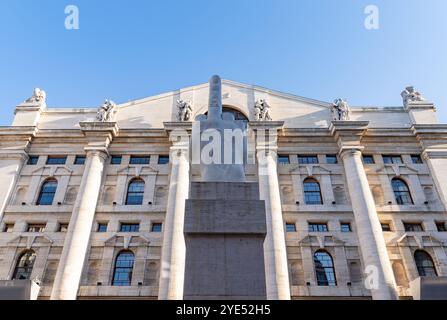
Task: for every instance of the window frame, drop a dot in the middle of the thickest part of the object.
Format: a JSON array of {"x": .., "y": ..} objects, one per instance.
[
  {"x": 402, "y": 193},
  {"x": 308, "y": 159},
  {"x": 134, "y": 227},
  {"x": 283, "y": 159},
  {"x": 123, "y": 269},
  {"x": 343, "y": 224},
  {"x": 416, "y": 159},
  {"x": 24, "y": 268},
  {"x": 421, "y": 268},
  {"x": 320, "y": 227},
  {"x": 138, "y": 194},
  {"x": 43, "y": 193},
  {"x": 41, "y": 226},
  {"x": 441, "y": 226},
  {"x": 56, "y": 160},
  {"x": 331, "y": 156},
  {"x": 328, "y": 271},
  {"x": 311, "y": 195},
  {"x": 166, "y": 157},
  {"x": 113, "y": 159},
  {"x": 413, "y": 226},
  {"x": 291, "y": 225},
  {"x": 80, "y": 163},
  {"x": 368, "y": 156},
  {"x": 101, "y": 224},
  {"x": 32, "y": 160},
  {"x": 392, "y": 158},
  {"x": 155, "y": 225},
  {"x": 137, "y": 160}
]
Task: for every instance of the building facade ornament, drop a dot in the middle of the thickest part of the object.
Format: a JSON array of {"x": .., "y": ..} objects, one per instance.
[
  {"x": 106, "y": 111},
  {"x": 262, "y": 111},
  {"x": 39, "y": 96},
  {"x": 184, "y": 110},
  {"x": 341, "y": 111},
  {"x": 411, "y": 95}
]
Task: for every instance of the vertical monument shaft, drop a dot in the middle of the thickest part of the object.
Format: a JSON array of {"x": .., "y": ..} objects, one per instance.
[
  {"x": 225, "y": 221},
  {"x": 215, "y": 99}
]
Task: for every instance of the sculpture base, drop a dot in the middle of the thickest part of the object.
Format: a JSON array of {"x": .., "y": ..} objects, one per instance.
[{"x": 225, "y": 229}]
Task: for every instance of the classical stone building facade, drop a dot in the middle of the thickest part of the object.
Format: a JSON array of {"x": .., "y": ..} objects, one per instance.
[{"x": 92, "y": 208}]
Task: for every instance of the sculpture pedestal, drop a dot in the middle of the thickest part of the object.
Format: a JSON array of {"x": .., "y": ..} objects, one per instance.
[{"x": 225, "y": 228}]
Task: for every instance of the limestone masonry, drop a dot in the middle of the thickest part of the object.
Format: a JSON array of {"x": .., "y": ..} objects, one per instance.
[{"x": 340, "y": 202}]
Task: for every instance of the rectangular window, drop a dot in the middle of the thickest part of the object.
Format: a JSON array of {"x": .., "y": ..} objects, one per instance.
[
  {"x": 163, "y": 159},
  {"x": 368, "y": 159},
  {"x": 283, "y": 159},
  {"x": 157, "y": 227},
  {"x": 102, "y": 227},
  {"x": 36, "y": 228},
  {"x": 56, "y": 160},
  {"x": 331, "y": 159},
  {"x": 318, "y": 227},
  {"x": 116, "y": 160},
  {"x": 393, "y": 159},
  {"x": 386, "y": 227},
  {"x": 130, "y": 227},
  {"x": 63, "y": 227},
  {"x": 416, "y": 159},
  {"x": 308, "y": 159},
  {"x": 290, "y": 227},
  {"x": 32, "y": 160},
  {"x": 140, "y": 160},
  {"x": 441, "y": 227},
  {"x": 413, "y": 227},
  {"x": 345, "y": 227},
  {"x": 79, "y": 160},
  {"x": 9, "y": 227}
]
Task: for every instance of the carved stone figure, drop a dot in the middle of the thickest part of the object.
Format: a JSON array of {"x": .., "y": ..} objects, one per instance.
[
  {"x": 39, "y": 96},
  {"x": 106, "y": 111},
  {"x": 262, "y": 111},
  {"x": 410, "y": 95},
  {"x": 184, "y": 110},
  {"x": 340, "y": 109}
]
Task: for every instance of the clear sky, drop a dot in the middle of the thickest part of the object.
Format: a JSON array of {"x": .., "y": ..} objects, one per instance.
[{"x": 131, "y": 49}]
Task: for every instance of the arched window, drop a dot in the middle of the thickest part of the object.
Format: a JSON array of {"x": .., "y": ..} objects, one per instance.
[
  {"x": 24, "y": 266},
  {"x": 425, "y": 265},
  {"x": 401, "y": 192},
  {"x": 312, "y": 192},
  {"x": 324, "y": 269},
  {"x": 135, "y": 192},
  {"x": 236, "y": 113},
  {"x": 122, "y": 274},
  {"x": 47, "y": 192}
]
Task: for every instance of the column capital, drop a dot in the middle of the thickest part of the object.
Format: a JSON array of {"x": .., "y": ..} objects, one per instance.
[
  {"x": 14, "y": 141},
  {"x": 349, "y": 134},
  {"x": 99, "y": 135},
  {"x": 266, "y": 142},
  {"x": 432, "y": 137},
  {"x": 266, "y": 125}
]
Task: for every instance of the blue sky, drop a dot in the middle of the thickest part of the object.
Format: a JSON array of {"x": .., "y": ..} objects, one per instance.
[{"x": 131, "y": 49}]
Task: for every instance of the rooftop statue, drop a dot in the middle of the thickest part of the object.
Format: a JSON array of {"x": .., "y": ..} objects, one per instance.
[
  {"x": 39, "y": 96},
  {"x": 410, "y": 95},
  {"x": 340, "y": 109},
  {"x": 184, "y": 110},
  {"x": 106, "y": 111},
  {"x": 262, "y": 111}
]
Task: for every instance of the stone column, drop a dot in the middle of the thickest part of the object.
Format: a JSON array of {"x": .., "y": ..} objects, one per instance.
[
  {"x": 14, "y": 142},
  {"x": 275, "y": 254},
  {"x": 433, "y": 139},
  {"x": 374, "y": 251},
  {"x": 69, "y": 272},
  {"x": 172, "y": 273}
]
